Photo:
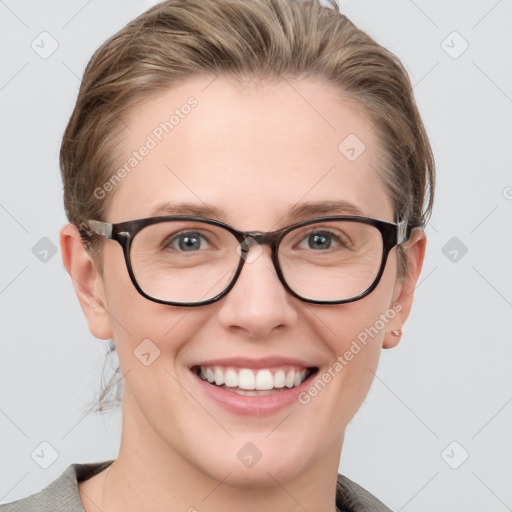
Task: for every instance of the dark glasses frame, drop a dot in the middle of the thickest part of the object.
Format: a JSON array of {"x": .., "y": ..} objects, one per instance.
[{"x": 393, "y": 234}]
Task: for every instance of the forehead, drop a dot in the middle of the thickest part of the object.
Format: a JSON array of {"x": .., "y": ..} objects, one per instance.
[{"x": 251, "y": 150}]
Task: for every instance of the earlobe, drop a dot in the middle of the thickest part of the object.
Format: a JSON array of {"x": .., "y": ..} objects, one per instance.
[
  {"x": 87, "y": 282},
  {"x": 404, "y": 291}
]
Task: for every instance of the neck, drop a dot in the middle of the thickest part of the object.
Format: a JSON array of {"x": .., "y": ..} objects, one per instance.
[{"x": 151, "y": 476}]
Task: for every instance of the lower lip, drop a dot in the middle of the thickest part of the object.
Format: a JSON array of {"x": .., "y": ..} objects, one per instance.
[{"x": 252, "y": 405}]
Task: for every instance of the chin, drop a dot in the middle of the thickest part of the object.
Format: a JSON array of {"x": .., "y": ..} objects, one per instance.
[{"x": 251, "y": 468}]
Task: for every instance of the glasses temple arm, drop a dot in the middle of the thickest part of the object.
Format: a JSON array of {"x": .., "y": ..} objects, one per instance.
[
  {"x": 405, "y": 229},
  {"x": 101, "y": 228}
]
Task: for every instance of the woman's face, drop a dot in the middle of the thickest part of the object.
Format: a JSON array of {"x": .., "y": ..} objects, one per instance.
[{"x": 253, "y": 152}]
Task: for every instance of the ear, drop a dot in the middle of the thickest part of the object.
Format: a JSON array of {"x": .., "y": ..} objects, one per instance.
[
  {"x": 404, "y": 290},
  {"x": 87, "y": 281}
]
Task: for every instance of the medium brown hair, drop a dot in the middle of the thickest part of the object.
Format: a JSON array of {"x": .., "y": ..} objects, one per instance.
[{"x": 264, "y": 39}]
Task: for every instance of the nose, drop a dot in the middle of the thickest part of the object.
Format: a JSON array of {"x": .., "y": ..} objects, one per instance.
[{"x": 258, "y": 303}]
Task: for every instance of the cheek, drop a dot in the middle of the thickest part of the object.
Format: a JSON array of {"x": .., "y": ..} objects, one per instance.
[
  {"x": 150, "y": 340},
  {"x": 144, "y": 331},
  {"x": 363, "y": 322},
  {"x": 352, "y": 334},
  {"x": 140, "y": 325}
]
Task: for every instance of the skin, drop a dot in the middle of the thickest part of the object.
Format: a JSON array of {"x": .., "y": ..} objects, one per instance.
[{"x": 255, "y": 150}]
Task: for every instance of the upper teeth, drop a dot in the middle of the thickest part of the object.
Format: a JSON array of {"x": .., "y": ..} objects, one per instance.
[{"x": 245, "y": 378}]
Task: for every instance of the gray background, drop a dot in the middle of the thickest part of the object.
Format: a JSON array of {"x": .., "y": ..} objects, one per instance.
[{"x": 443, "y": 394}]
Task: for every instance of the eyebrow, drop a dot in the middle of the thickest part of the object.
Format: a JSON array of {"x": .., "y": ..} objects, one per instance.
[
  {"x": 325, "y": 208},
  {"x": 303, "y": 210},
  {"x": 199, "y": 210}
]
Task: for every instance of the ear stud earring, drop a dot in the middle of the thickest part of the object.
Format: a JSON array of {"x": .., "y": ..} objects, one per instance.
[{"x": 396, "y": 332}]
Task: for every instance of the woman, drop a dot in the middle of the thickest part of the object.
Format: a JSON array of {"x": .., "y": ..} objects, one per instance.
[{"x": 246, "y": 185}]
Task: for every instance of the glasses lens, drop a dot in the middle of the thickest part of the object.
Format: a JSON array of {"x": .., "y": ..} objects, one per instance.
[
  {"x": 183, "y": 261},
  {"x": 331, "y": 261}
]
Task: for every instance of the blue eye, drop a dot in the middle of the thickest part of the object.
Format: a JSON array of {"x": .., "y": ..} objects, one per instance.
[
  {"x": 321, "y": 239},
  {"x": 187, "y": 241}
]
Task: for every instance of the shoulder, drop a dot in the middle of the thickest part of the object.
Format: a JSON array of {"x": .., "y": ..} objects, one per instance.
[
  {"x": 351, "y": 497},
  {"x": 61, "y": 495}
]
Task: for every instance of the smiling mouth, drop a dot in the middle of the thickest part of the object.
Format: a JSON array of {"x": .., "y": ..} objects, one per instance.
[{"x": 249, "y": 382}]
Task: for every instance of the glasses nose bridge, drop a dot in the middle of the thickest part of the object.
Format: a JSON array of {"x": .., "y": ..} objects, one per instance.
[{"x": 251, "y": 238}]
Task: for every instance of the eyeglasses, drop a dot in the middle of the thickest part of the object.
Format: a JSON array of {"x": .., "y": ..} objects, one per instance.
[{"x": 194, "y": 261}]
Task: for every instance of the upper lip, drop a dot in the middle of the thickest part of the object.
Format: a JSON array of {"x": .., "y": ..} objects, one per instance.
[{"x": 265, "y": 362}]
